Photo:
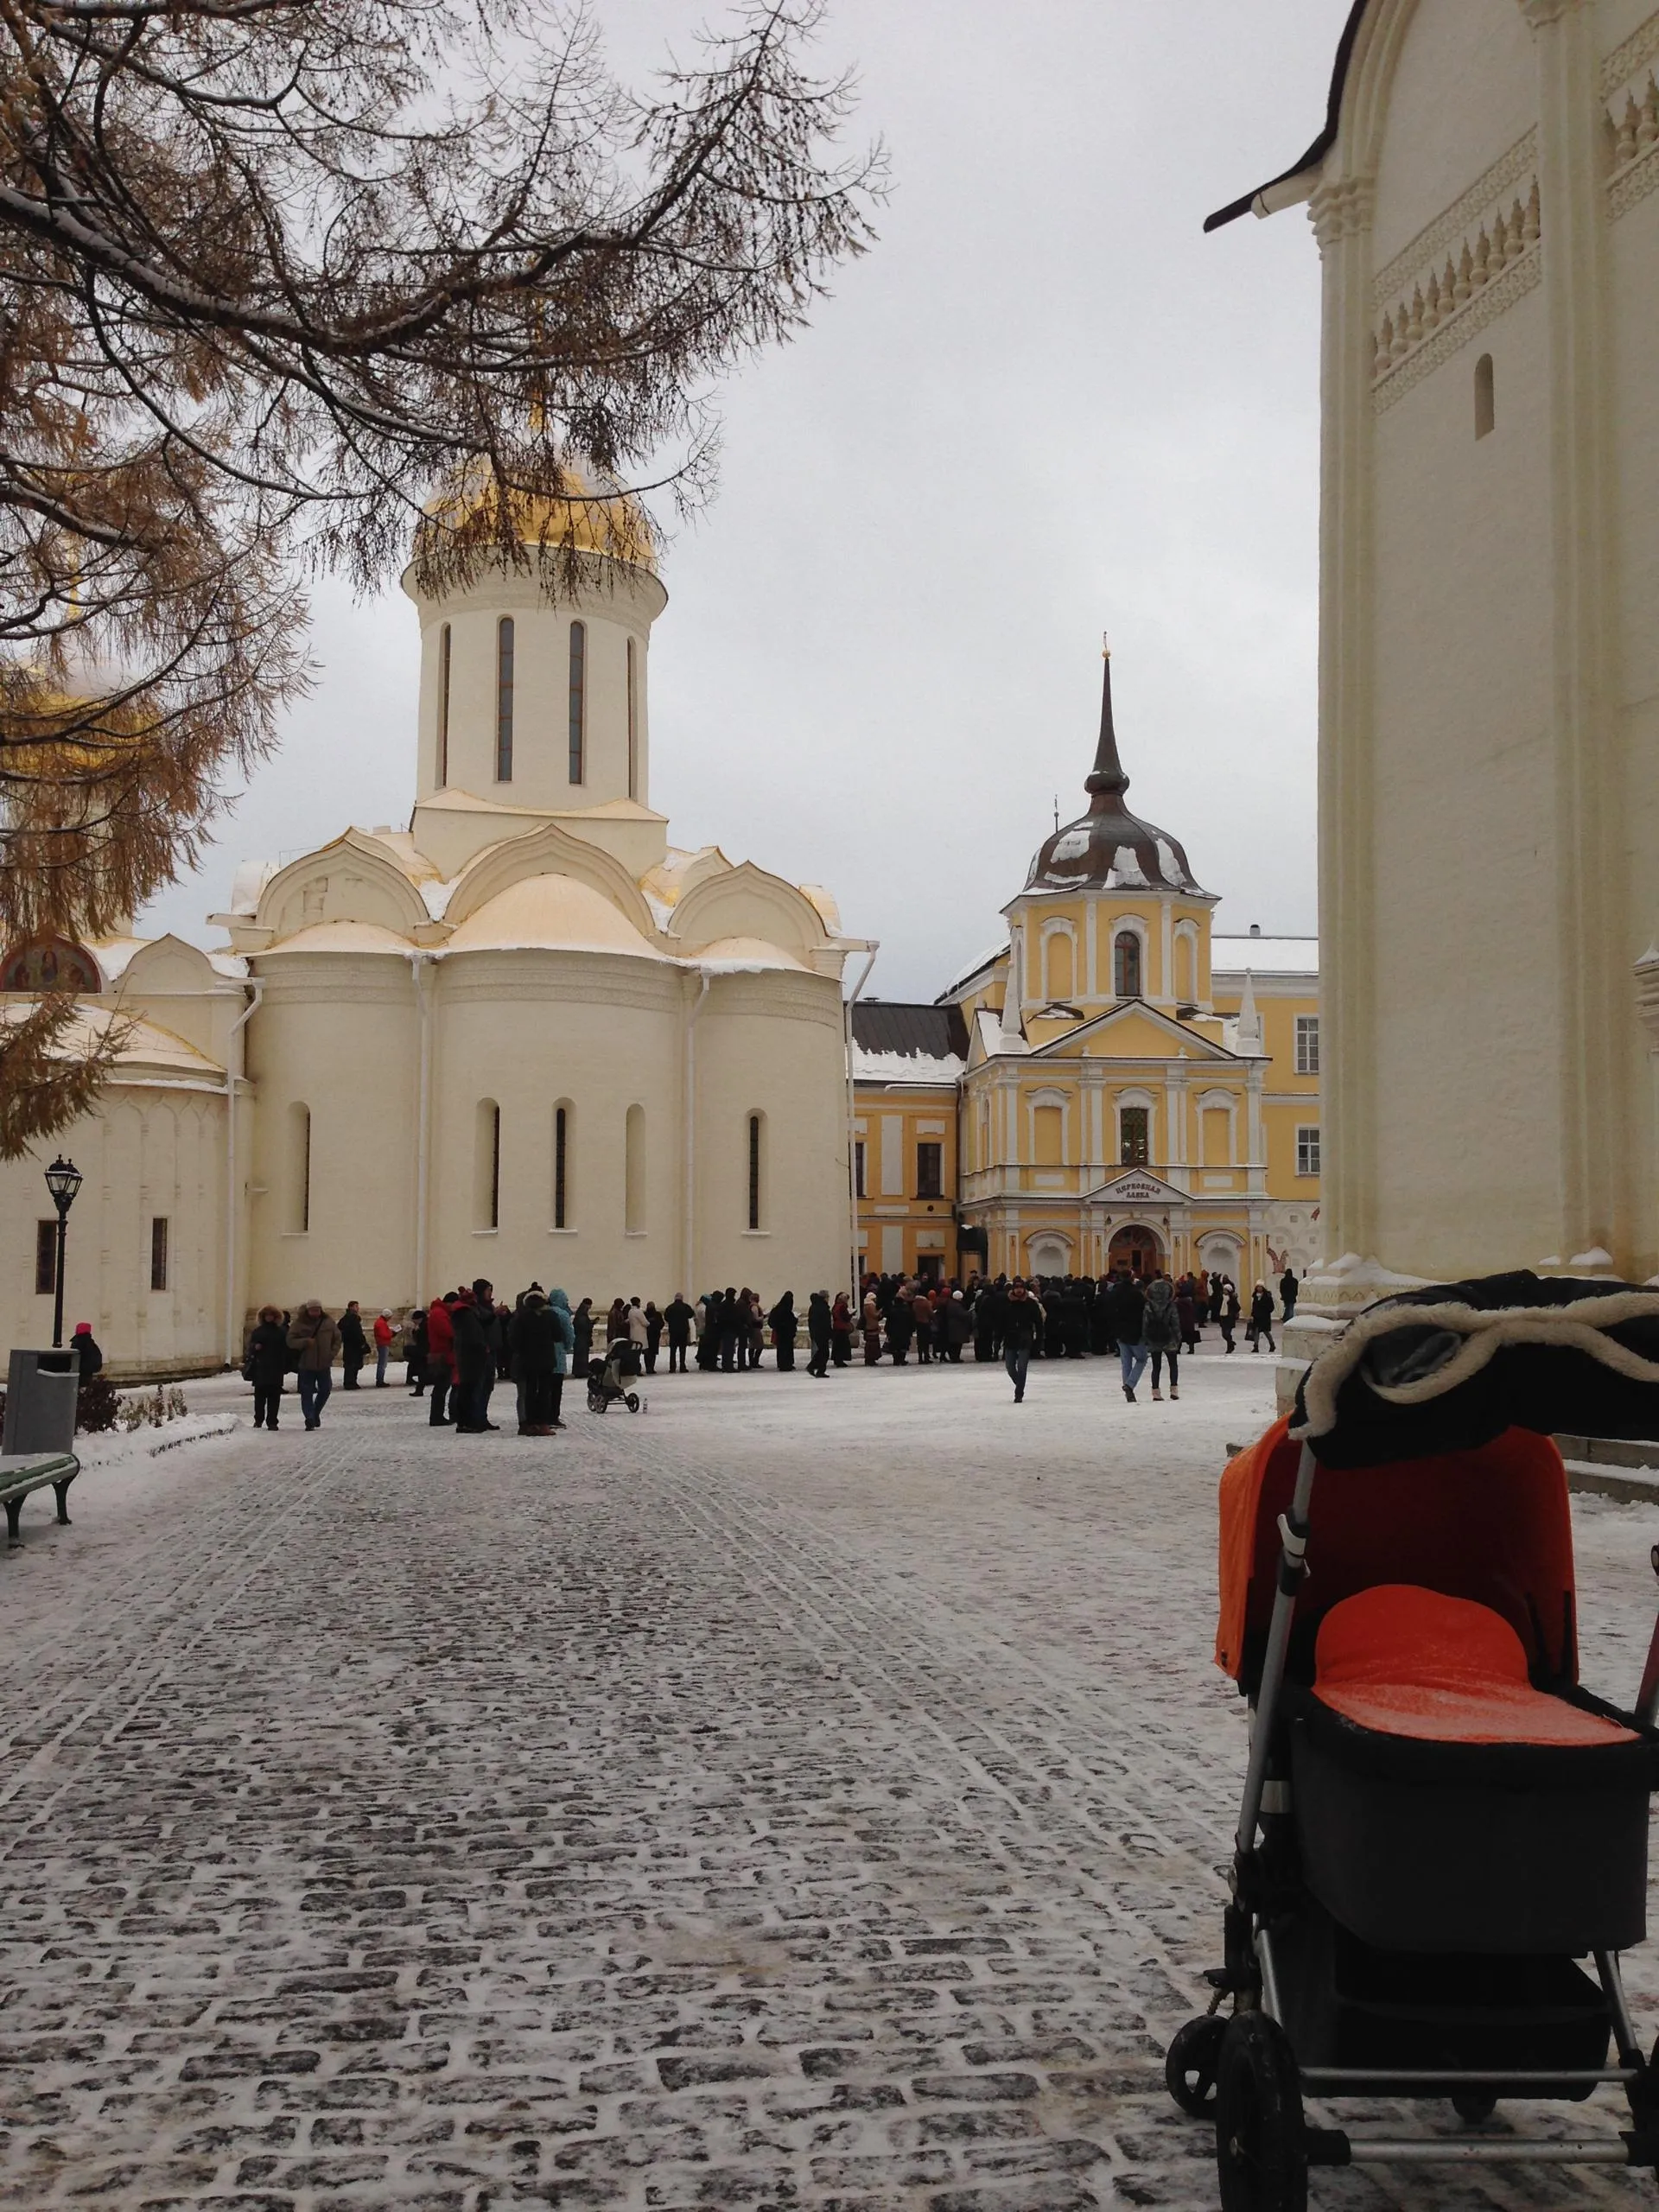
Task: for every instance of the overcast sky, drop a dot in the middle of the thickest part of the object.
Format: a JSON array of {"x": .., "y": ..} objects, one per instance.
[{"x": 1045, "y": 405}]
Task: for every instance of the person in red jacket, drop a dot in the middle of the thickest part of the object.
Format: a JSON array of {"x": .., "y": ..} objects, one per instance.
[
  {"x": 383, "y": 1336},
  {"x": 440, "y": 1357}
]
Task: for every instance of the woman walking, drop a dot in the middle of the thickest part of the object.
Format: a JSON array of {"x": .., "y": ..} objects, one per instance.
[
  {"x": 1230, "y": 1311},
  {"x": 1162, "y": 1334},
  {"x": 1262, "y": 1318},
  {"x": 267, "y": 1364}
]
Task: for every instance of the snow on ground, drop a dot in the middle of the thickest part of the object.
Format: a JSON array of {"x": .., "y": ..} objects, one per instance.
[{"x": 800, "y": 1793}]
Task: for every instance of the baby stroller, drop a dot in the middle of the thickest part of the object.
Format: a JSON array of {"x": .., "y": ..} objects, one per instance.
[
  {"x": 608, "y": 1378},
  {"x": 1439, "y": 1827}
]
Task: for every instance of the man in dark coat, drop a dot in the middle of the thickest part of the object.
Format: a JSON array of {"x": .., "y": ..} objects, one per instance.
[
  {"x": 678, "y": 1315},
  {"x": 475, "y": 1363},
  {"x": 1128, "y": 1306},
  {"x": 901, "y": 1326},
  {"x": 354, "y": 1346},
  {"x": 533, "y": 1339},
  {"x": 1288, "y": 1286},
  {"x": 1022, "y": 1334}
]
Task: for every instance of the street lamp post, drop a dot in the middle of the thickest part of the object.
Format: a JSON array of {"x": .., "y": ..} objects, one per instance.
[{"x": 63, "y": 1179}]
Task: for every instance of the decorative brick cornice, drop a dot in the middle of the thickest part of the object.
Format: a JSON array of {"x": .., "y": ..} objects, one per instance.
[{"x": 1342, "y": 210}]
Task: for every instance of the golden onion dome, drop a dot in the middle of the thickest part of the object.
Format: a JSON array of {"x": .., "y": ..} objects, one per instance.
[{"x": 585, "y": 518}]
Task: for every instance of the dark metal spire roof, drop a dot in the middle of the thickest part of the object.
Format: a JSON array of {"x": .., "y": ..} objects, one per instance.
[{"x": 1108, "y": 848}]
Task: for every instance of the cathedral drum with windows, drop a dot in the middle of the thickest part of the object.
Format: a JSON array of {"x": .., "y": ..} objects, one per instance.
[
  {"x": 1117, "y": 1087},
  {"x": 524, "y": 1037}
]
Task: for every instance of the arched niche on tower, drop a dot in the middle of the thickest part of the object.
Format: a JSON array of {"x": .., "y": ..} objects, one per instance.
[
  {"x": 548, "y": 851},
  {"x": 349, "y": 880},
  {"x": 747, "y": 902}
]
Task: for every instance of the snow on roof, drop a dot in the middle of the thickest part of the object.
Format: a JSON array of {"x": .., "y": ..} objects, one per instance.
[
  {"x": 985, "y": 960},
  {"x": 905, "y": 1067},
  {"x": 341, "y": 936},
  {"x": 1264, "y": 955}
]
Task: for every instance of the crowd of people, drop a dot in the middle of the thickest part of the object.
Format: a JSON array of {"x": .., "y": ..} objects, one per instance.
[{"x": 466, "y": 1342}]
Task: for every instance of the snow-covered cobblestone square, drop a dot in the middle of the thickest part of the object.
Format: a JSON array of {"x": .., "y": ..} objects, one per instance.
[{"x": 804, "y": 1793}]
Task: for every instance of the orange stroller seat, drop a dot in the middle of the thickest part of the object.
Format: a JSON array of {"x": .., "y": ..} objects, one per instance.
[{"x": 1410, "y": 1662}]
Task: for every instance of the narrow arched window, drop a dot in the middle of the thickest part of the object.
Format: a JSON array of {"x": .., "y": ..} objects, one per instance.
[
  {"x": 633, "y": 1173},
  {"x": 504, "y": 699},
  {"x": 487, "y": 1166},
  {"x": 299, "y": 1169},
  {"x": 443, "y": 706},
  {"x": 1486, "y": 398},
  {"x": 578, "y": 700},
  {"x": 756, "y": 1163},
  {"x": 1186, "y": 989},
  {"x": 1057, "y": 982},
  {"x": 633, "y": 723},
  {"x": 563, "y": 1126},
  {"x": 1126, "y": 965}
]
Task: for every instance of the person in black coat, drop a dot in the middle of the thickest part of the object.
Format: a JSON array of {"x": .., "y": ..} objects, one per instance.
[
  {"x": 354, "y": 1346},
  {"x": 475, "y": 1362},
  {"x": 1022, "y": 1334},
  {"x": 532, "y": 1358},
  {"x": 784, "y": 1325},
  {"x": 581, "y": 1323},
  {"x": 678, "y": 1316},
  {"x": 414, "y": 1351},
  {"x": 818, "y": 1329},
  {"x": 84, "y": 1345},
  {"x": 902, "y": 1327},
  {"x": 266, "y": 1365},
  {"x": 1288, "y": 1287}
]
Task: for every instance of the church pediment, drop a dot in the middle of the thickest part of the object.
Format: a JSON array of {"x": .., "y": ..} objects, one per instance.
[
  {"x": 1138, "y": 1186},
  {"x": 1136, "y": 1031}
]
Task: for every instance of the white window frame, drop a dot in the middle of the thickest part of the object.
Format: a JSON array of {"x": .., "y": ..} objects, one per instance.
[
  {"x": 1308, "y": 1044},
  {"x": 1308, "y": 1149}
]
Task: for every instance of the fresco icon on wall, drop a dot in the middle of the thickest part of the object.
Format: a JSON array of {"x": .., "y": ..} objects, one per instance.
[{"x": 53, "y": 964}]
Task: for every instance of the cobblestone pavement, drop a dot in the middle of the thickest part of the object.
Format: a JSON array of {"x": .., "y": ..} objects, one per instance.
[{"x": 804, "y": 1793}]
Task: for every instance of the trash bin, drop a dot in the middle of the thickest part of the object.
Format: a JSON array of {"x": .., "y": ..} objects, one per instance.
[{"x": 41, "y": 1388}]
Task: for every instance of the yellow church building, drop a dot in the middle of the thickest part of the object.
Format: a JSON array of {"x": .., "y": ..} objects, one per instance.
[{"x": 1117, "y": 1087}]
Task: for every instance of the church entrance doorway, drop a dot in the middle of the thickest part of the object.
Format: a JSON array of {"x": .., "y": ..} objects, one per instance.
[{"x": 1134, "y": 1251}]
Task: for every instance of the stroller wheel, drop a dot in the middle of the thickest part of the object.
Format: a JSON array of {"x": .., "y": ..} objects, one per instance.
[
  {"x": 634, "y": 1401},
  {"x": 1189, "y": 2067},
  {"x": 1474, "y": 2104},
  {"x": 1261, "y": 2145}
]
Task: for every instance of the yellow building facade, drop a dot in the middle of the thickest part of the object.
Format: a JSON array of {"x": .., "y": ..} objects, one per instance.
[{"x": 1130, "y": 1090}]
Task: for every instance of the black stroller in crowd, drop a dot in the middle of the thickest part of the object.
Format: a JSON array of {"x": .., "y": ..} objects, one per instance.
[
  {"x": 1443, "y": 1844},
  {"x": 611, "y": 1380}
]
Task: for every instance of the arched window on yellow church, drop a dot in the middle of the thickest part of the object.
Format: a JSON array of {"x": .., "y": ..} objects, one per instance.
[
  {"x": 633, "y": 1173},
  {"x": 1049, "y": 1131},
  {"x": 1058, "y": 985},
  {"x": 486, "y": 1166},
  {"x": 1135, "y": 1133},
  {"x": 1186, "y": 982},
  {"x": 1215, "y": 1136},
  {"x": 1126, "y": 965}
]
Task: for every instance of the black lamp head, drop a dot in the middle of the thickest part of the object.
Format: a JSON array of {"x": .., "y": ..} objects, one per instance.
[{"x": 63, "y": 1179}]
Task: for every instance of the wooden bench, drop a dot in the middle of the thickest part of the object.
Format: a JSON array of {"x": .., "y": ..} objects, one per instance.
[{"x": 22, "y": 1473}]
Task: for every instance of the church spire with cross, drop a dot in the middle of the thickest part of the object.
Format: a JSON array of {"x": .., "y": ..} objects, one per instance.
[{"x": 1108, "y": 848}]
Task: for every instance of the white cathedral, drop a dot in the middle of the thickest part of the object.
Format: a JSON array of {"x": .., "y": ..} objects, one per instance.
[{"x": 523, "y": 1038}]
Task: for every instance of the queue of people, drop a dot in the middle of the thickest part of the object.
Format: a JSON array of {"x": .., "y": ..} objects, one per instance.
[{"x": 466, "y": 1342}]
